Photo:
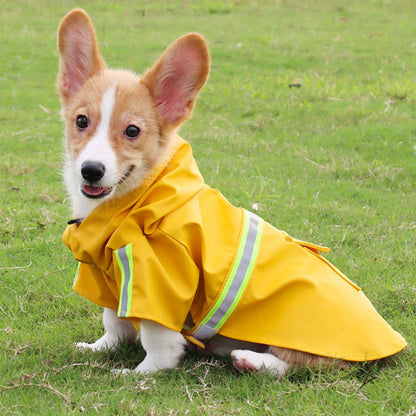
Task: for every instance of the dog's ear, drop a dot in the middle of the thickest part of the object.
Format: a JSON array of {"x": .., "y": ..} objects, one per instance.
[
  {"x": 80, "y": 57},
  {"x": 176, "y": 78}
]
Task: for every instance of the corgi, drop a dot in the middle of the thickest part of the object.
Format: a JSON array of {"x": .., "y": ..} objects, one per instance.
[{"x": 167, "y": 257}]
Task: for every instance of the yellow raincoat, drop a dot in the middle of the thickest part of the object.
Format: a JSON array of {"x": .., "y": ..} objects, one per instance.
[{"x": 175, "y": 246}]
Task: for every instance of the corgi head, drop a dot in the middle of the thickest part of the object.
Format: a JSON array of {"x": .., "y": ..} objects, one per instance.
[{"x": 119, "y": 125}]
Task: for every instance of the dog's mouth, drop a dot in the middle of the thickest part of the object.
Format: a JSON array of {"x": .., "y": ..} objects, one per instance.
[{"x": 97, "y": 192}]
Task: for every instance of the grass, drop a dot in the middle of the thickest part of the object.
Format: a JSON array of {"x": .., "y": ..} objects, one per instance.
[{"x": 332, "y": 161}]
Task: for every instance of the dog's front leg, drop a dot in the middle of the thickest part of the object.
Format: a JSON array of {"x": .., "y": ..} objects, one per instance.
[
  {"x": 117, "y": 330},
  {"x": 164, "y": 348}
]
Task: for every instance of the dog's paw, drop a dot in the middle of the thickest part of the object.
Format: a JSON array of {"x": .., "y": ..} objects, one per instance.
[
  {"x": 84, "y": 346},
  {"x": 94, "y": 347},
  {"x": 148, "y": 366},
  {"x": 120, "y": 372},
  {"x": 105, "y": 343},
  {"x": 140, "y": 369},
  {"x": 246, "y": 360}
]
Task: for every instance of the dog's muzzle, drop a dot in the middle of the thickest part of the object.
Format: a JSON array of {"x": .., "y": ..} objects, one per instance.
[{"x": 93, "y": 172}]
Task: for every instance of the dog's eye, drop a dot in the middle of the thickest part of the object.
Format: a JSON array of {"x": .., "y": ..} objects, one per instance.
[
  {"x": 132, "y": 132},
  {"x": 82, "y": 122}
]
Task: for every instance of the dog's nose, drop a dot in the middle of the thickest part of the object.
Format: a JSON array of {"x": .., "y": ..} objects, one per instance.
[{"x": 92, "y": 171}]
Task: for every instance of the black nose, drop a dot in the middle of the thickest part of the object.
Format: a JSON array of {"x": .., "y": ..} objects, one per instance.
[{"x": 92, "y": 171}]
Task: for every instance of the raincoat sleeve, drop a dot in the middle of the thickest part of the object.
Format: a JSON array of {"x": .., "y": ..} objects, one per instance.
[
  {"x": 156, "y": 279},
  {"x": 95, "y": 285}
]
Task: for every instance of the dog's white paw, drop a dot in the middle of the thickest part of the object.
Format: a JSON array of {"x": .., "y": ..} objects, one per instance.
[
  {"x": 120, "y": 372},
  {"x": 148, "y": 366},
  {"x": 94, "y": 347},
  {"x": 143, "y": 368},
  {"x": 246, "y": 360},
  {"x": 103, "y": 344},
  {"x": 84, "y": 346}
]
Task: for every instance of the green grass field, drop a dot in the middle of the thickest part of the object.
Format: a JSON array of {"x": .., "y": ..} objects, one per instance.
[{"x": 332, "y": 161}]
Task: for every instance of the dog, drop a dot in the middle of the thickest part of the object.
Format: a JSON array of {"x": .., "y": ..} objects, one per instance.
[{"x": 169, "y": 258}]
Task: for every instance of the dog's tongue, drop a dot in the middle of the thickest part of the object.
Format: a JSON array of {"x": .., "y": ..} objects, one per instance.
[{"x": 95, "y": 190}]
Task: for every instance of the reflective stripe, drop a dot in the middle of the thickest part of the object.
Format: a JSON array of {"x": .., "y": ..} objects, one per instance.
[
  {"x": 76, "y": 273},
  {"x": 237, "y": 280},
  {"x": 125, "y": 263}
]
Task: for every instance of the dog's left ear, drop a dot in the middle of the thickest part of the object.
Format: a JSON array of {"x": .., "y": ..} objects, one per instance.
[
  {"x": 176, "y": 78},
  {"x": 80, "y": 56}
]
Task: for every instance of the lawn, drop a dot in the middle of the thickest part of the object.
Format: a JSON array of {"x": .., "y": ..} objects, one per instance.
[{"x": 308, "y": 118}]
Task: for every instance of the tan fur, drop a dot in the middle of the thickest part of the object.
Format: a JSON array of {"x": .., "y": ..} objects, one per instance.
[{"x": 299, "y": 359}]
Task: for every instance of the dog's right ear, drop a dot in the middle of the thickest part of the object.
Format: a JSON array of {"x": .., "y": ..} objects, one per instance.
[
  {"x": 80, "y": 56},
  {"x": 176, "y": 78}
]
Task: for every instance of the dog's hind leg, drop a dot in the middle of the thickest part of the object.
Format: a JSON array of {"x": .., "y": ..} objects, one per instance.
[
  {"x": 117, "y": 330},
  {"x": 279, "y": 360},
  {"x": 246, "y": 360}
]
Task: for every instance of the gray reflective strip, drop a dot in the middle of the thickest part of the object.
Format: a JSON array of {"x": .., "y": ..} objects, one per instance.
[
  {"x": 125, "y": 296},
  {"x": 238, "y": 279}
]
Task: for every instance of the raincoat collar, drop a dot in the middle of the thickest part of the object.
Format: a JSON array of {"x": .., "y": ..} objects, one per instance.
[{"x": 168, "y": 187}]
